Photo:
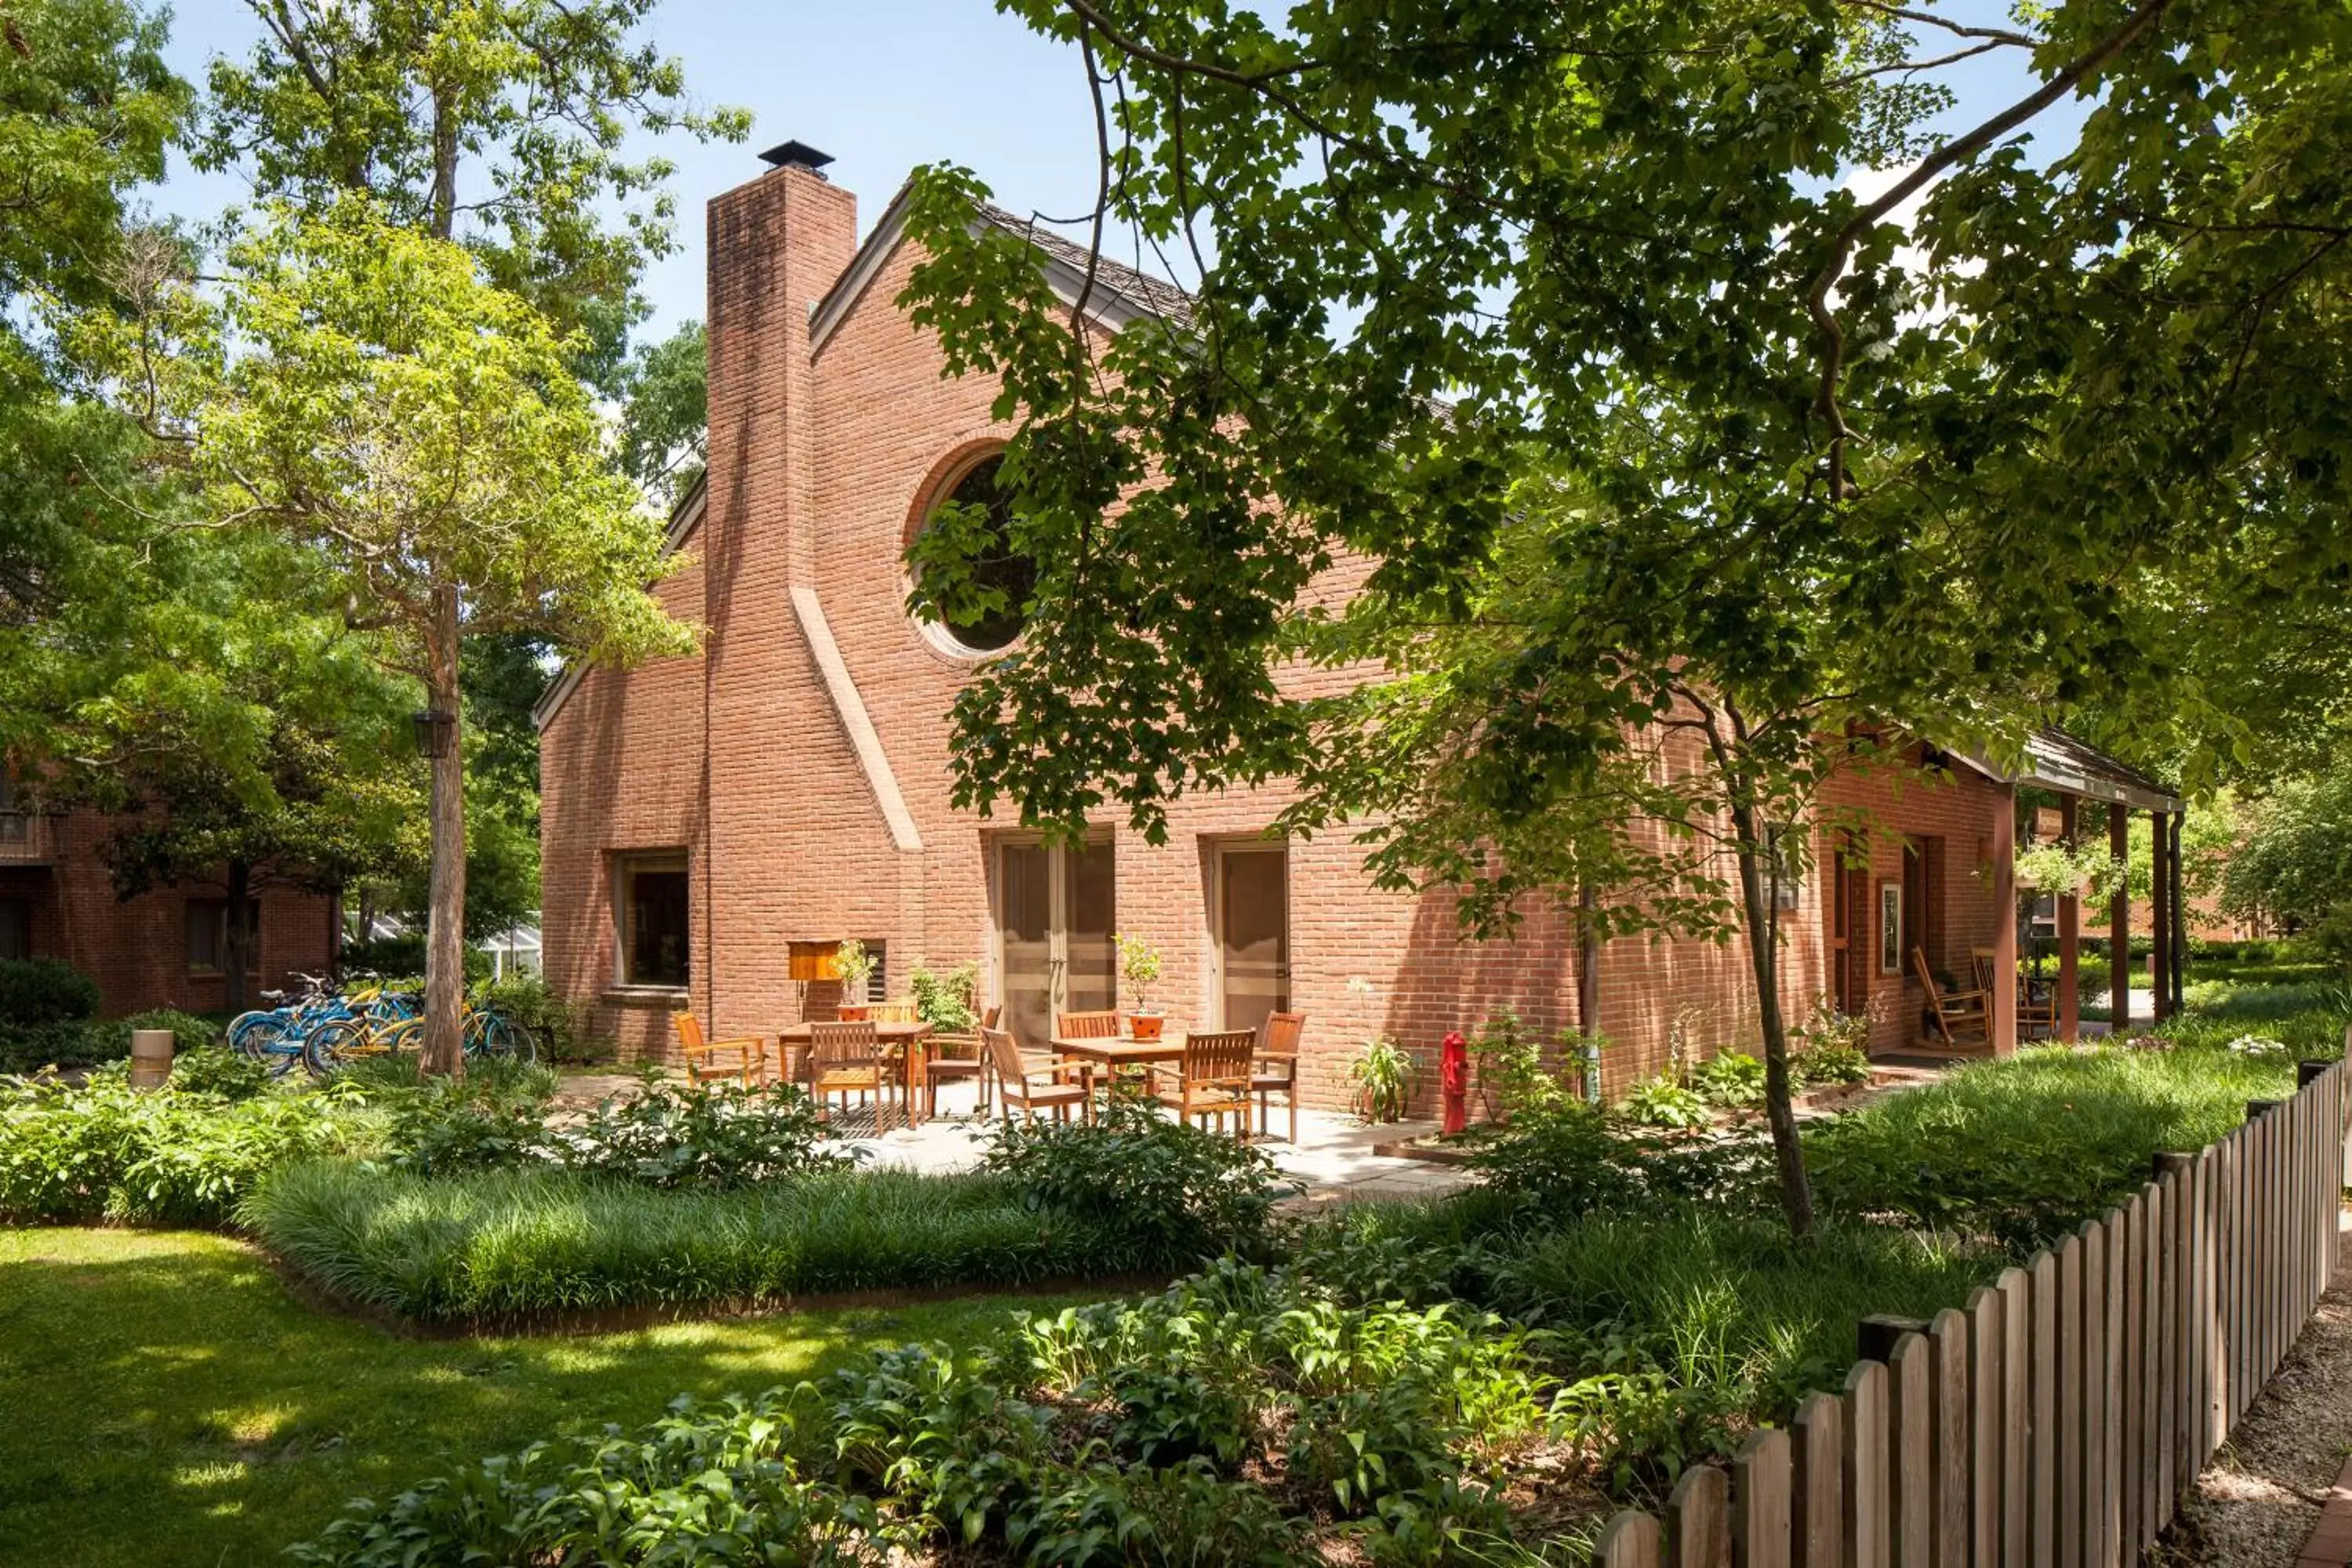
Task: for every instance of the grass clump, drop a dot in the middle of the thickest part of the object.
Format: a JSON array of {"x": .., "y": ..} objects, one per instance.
[
  {"x": 2028, "y": 1149},
  {"x": 495, "y": 1246}
]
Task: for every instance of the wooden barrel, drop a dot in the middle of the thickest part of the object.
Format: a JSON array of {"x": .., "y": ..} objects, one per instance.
[{"x": 150, "y": 1057}]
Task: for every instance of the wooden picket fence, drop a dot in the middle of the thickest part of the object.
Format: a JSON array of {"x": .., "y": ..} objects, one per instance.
[{"x": 2061, "y": 1419}]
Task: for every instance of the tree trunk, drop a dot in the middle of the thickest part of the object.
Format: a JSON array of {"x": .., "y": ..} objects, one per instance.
[
  {"x": 235, "y": 941},
  {"x": 445, "y": 938},
  {"x": 1763, "y": 948},
  {"x": 444, "y": 218}
]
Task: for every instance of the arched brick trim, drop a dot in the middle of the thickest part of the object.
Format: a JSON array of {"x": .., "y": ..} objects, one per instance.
[{"x": 943, "y": 476}]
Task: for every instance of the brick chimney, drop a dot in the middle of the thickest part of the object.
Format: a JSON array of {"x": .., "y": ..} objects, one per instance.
[{"x": 776, "y": 245}]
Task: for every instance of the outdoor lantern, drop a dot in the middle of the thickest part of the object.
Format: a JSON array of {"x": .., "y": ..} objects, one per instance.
[{"x": 434, "y": 730}]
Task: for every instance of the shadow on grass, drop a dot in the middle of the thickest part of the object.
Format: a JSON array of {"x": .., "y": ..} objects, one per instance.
[{"x": 169, "y": 1402}]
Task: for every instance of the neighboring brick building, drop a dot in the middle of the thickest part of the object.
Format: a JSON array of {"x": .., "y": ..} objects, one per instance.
[
  {"x": 162, "y": 949},
  {"x": 791, "y": 783}
]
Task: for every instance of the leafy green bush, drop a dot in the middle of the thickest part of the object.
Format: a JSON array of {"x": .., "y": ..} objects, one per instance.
[
  {"x": 1163, "y": 1193},
  {"x": 1729, "y": 1079},
  {"x": 190, "y": 1032},
  {"x": 105, "y": 1150},
  {"x": 703, "y": 1488},
  {"x": 1383, "y": 1073},
  {"x": 1830, "y": 1063},
  {"x": 495, "y": 1244},
  {"x": 704, "y": 1135},
  {"x": 217, "y": 1070},
  {"x": 561, "y": 1028},
  {"x": 35, "y": 992},
  {"x": 64, "y": 1043},
  {"x": 1662, "y": 1102},
  {"x": 950, "y": 1002}
]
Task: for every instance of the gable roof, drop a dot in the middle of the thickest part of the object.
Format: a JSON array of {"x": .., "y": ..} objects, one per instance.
[{"x": 1120, "y": 293}]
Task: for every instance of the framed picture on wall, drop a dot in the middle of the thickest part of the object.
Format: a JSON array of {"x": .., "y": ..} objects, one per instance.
[{"x": 1890, "y": 926}]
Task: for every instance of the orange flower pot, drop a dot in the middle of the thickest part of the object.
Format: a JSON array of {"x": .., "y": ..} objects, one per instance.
[{"x": 1143, "y": 1025}]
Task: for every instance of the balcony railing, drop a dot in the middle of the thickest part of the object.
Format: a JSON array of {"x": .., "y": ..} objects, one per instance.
[{"x": 27, "y": 839}]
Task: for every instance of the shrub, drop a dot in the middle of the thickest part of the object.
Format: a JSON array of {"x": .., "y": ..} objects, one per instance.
[
  {"x": 702, "y": 1488},
  {"x": 950, "y": 1002},
  {"x": 189, "y": 1032},
  {"x": 1572, "y": 1160},
  {"x": 1509, "y": 1062},
  {"x": 217, "y": 1070},
  {"x": 1163, "y": 1195},
  {"x": 35, "y": 992},
  {"x": 1830, "y": 1063},
  {"x": 105, "y": 1150},
  {"x": 1383, "y": 1073},
  {"x": 706, "y": 1135},
  {"x": 65, "y": 1043},
  {"x": 560, "y": 1027},
  {"x": 491, "y": 1245},
  {"x": 1729, "y": 1079},
  {"x": 1662, "y": 1102}
]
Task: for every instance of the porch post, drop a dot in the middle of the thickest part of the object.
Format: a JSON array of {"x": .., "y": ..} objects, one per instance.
[
  {"x": 2000, "y": 1007},
  {"x": 2160, "y": 907},
  {"x": 2119, "y": 966},
  {"x": 2179, "y": 918},
  {"x": 2070, "y": 938}
]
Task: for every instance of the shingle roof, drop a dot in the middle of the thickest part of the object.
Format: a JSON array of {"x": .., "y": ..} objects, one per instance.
[{"x": 1152, "y": 296}]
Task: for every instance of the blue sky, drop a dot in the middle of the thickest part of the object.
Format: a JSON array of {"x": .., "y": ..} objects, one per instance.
[{"x": 882, "y": 85}]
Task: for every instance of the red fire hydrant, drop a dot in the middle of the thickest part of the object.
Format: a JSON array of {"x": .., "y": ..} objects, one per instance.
[{"x": 1453, "y": 1077}]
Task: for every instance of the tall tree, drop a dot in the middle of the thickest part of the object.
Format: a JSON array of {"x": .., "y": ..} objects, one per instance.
[
  {"x": 375, "y": 398},
  {"x": 496, "y": 124},
  {"x": 1810, "y": 479},
  {"x": 665, "y": 415}
]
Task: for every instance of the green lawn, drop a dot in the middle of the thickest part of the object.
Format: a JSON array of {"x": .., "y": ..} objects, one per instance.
[{"x": 163, "y": 1400}]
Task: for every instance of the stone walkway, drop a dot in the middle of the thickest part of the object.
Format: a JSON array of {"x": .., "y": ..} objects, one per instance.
[{"x": 2279, "y": 1494}]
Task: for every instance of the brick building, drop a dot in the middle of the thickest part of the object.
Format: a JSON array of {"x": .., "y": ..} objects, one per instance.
[
  {"x": 162, "y": 949},
  {"x": 789, "y": 783}
]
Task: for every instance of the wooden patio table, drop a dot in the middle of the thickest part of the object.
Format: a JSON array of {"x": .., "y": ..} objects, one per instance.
[
  {"x": 907, "y": 1039},
  {"x": 1119, "y": 1051}
]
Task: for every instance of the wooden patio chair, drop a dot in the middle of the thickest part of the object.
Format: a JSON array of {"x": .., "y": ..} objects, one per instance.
[
  {"x": 1050, "y": 1085},
  {"x": 1214, "y": 1077},
  {"x": 704, "y": 1059},
  {"x": 2032, "y": 1013},
  {"x": 1086, "y": 1025},
  {"x": 1955, "y": 1010},
  {"x": 960, "y": 1065},
  {"x": 1275, "y": 1067},
  {"x": 846, "y": 1059},
  {"x": 900, "y": 1011}
]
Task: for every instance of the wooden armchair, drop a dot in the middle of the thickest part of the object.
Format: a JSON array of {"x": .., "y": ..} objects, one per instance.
[
  {"x": 2033, "y": 1012},
  {"x": 901, "y": 1011},
  {"x": 960, "y": 1065},
  {"x": 1276, "y": 1068},
  {"x": 1956, "y": 1011},
  {"x": 1086, "y": 1025},
  {"x": 1215, "y": 1078},
  {"x": 1050, "y": 1085},
  {"x": 706, "y": 1060},
  {"x": 846, "y": 1059}
]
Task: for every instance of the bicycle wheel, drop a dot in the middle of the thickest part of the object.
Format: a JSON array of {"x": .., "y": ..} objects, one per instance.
[
  {"x": 496, "y": 1034},
  {"x": 331, "y": 1047},
  {"x": 269, "y": 1038}
]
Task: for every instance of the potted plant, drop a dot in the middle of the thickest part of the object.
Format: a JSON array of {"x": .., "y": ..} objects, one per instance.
[
  {"x": 856, "y": 967},
  {"x": 1138, "y": 961}
]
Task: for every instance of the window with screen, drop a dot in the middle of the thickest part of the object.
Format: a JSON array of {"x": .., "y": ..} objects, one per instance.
[{"x": 651, "y": 906}]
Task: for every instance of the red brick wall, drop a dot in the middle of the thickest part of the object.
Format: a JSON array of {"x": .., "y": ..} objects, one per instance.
[
  {"x": 819, "y": 461},
  {"x": 137, "y": 950}
]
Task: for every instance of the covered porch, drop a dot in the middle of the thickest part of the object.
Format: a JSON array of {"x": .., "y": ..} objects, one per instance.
[{"x": 2071, "y": 793}]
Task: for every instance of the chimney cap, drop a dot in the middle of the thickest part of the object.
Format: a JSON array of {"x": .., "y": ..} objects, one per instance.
[{"x": 796, "y": 156}]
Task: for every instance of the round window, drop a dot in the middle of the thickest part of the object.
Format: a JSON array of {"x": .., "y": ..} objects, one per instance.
[{"x": 1009, "y": 572}]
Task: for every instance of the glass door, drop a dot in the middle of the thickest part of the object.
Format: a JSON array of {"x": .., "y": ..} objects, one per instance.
[
  {"x": 1056, "y": 909},
  {"x": 1253, "y": 933}
]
